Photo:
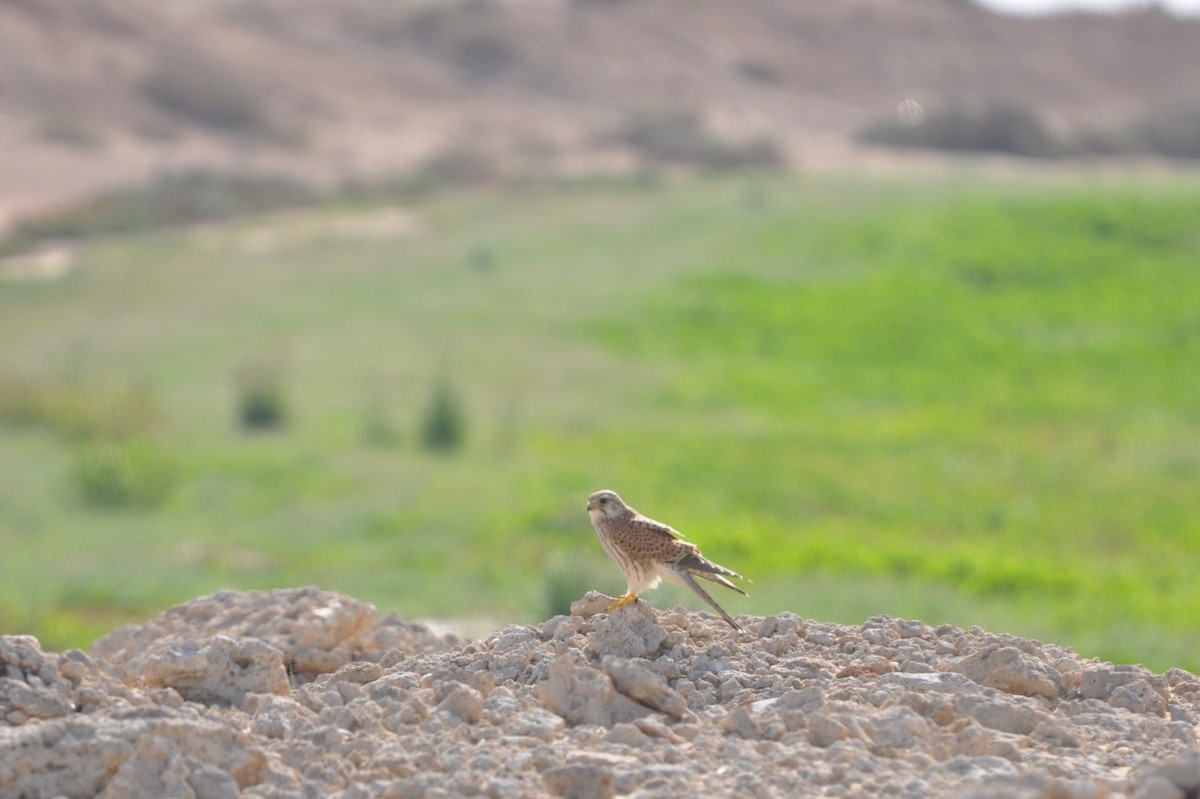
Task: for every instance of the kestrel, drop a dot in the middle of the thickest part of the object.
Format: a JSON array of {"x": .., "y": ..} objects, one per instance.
[{"x": 648, "y": 551}]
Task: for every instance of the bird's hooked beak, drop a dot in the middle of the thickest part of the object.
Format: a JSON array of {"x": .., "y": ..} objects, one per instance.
[{"x": 591, "y": 505}]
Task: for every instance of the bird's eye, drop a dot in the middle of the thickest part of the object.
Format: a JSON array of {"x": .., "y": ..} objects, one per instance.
[{"x": 603, "y": 500}]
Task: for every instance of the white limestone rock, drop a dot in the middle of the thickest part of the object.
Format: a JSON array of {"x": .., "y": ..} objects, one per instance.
[
  {"x": 283, "y": 694},
  {"x": 218, "y": 669}
]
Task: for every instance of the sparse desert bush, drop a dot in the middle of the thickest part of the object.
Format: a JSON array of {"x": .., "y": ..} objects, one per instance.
[
  {"x": 759, "y": 71},
  {"x": 134, "y": 475},
  {"x": 485, "y": 55},
  {"x": 191, "y": 83},
  {"x": 1008, "y": 127},
  {"x": 1172, "y": 132},
  {"x": 681, "y": 138},
  {"x": 444, "y": 424},
  {"x": 996, "y": 126},
  {"x": 458, "y": 165},
  {"x": 70, "y": 131},
  {"x": 172, "y": 198},
  {"x": 75, "y": 409},
  {"x": 261, "y": 397},
  {"x": 1104, "y": 142}
]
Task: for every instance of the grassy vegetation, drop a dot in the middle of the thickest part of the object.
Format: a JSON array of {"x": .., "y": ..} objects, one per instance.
[
  {"x": 191, "y": 197},
  {"x": 947, "y": 398}
]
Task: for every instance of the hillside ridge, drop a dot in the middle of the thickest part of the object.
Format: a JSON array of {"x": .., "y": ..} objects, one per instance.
[{"x": 114, "y": 91}]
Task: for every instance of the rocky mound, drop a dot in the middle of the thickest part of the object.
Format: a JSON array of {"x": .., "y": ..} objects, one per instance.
[{"x": 304, "y": 693}]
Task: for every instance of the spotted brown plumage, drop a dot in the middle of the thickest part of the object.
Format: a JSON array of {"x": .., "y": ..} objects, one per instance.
[{"x": 648, "y": 552}]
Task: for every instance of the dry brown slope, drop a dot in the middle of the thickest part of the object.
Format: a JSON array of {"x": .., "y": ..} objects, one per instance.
[{"x": 359, "y": 88}]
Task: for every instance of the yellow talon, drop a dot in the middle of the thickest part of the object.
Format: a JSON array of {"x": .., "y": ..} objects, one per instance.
[{"x": 622, "y": 602}]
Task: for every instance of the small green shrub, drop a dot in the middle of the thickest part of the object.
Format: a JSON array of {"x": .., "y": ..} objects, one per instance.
[
  {"x": 135, "y": 475},
  {"x": 261, "y": 400},
  {"x": 262, "y": 407},
  {"x": 444, "y": 424}
]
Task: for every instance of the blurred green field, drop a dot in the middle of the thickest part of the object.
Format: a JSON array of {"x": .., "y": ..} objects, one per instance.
[{"x": 953, "y": 398}]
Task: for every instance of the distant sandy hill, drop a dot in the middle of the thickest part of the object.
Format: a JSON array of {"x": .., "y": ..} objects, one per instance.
[{"x": 110, "y": 91}]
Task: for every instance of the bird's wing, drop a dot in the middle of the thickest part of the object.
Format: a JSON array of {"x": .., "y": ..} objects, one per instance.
[
  {"x": 646, "y": 523},
  {"x": 644, "y": 539},
  {"x": 693, "y": 561}
]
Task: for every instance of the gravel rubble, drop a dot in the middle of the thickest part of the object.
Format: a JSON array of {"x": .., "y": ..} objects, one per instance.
[{"x": 306, "y": 693}]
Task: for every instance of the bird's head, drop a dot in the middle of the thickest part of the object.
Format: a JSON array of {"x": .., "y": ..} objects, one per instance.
[{"x": 606, "y": 503}]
